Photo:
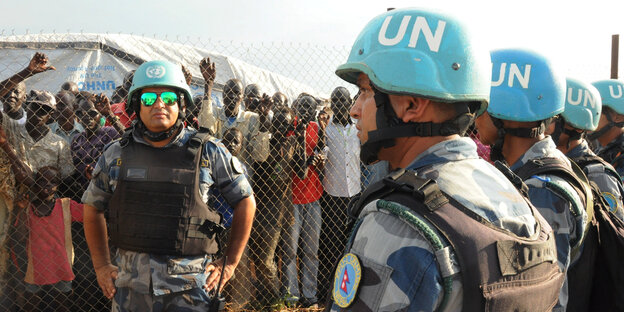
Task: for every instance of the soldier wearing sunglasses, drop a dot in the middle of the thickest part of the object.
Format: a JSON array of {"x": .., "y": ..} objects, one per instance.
[{"x": 154, "y": 184}]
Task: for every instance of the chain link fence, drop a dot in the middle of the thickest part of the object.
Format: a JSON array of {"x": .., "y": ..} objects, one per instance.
[{"x": 301, "y": 224}]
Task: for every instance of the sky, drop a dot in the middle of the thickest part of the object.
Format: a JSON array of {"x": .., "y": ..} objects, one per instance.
[{"x": 575, "y": 35}]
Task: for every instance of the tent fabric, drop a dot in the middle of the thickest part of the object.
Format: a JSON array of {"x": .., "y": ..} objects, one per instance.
[{"x": 98, "y": 62}]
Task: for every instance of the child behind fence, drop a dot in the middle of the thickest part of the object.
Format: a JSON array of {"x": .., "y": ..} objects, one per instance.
[{"x": 48, "y": 279}]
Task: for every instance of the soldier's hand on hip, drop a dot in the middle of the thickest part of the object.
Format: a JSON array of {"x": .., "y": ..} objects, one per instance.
[
  {"x": 106, "y": 276},
  {"x": 214, "y": 271}
]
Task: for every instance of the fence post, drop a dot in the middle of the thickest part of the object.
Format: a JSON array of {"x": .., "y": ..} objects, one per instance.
[{"x": 615, "y": 47}]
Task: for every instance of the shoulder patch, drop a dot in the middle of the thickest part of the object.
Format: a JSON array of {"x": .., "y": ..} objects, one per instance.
[
  {"x": 611, "y": 200},
  {"x": 347, "y": 280},
  {"x": 117, "y": 162}
]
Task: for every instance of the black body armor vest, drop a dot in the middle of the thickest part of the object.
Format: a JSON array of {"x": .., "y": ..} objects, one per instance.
[
  {"x": 156, "y": 207},
  {"x": 499, "y": 270}
]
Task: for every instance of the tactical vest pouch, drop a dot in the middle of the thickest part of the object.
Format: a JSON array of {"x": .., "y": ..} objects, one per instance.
[{"x": 494, "y": 276}]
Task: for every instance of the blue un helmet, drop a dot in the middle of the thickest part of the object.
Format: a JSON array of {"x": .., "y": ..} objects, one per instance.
[
  {"x": 158, "y": 74},
  {"x": 583, "y": 105},
  {"x": 582, "y": 111},
  {"x": 421, "y": 53},
  {"x": 612, "y": 95},
  {"x": 525, "y": 87}
]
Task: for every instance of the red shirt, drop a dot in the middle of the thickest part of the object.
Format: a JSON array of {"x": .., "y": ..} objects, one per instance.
[
  {"x": 309, "y": 189},
  {"x": 119, "y": 110},
  {"x": 50, "y": 252}
]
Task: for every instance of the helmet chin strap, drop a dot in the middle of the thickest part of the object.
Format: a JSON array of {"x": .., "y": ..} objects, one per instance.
[
  {"x": 390, "y": 127},
  {"x": 496, "y": 151},
  {"x": 560, "y": 128},
  {"x": 596, "y": 134},
  {"x": 385, "y": 117}
]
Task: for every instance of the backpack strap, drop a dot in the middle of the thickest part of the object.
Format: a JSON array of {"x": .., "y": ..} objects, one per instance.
[
  {"x": 589, "y": 160},
  {"x": 511, "y": 176}
]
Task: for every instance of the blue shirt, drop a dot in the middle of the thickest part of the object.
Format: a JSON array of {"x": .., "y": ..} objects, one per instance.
[{"x": 222, "y": 205}]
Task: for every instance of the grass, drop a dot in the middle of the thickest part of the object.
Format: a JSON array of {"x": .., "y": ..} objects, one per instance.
[{"x": 281, "y": 307}]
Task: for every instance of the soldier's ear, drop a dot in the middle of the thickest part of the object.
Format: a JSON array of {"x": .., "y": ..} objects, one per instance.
[{"x": 409, "y": 108}]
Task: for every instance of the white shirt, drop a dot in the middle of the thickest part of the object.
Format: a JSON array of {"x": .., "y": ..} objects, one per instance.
[
  {"x": 21, "y": 121},
  {"x": 342, "y": 170}
]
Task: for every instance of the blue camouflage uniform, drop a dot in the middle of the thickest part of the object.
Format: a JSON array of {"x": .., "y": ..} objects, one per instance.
[
  {"x": 399, "y": 264},
  {"x": 173, "y": 281},
  {"x": 609, "y": 184},
  {"x": 554, "y": 208},
  {"x": 612, "y": 151}
]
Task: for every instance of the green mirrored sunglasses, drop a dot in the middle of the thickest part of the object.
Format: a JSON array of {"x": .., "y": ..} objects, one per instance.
[{"x": 168, "y": 97}]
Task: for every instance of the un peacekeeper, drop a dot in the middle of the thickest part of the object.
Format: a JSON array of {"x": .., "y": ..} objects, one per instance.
[
  {"x": 610, "y": 134},
  {"x": 154, "y": 185},
  {"x": 417, "y": 95},
  {"x": 527, "y": 92},
  {"x": 582, "y": 113}
]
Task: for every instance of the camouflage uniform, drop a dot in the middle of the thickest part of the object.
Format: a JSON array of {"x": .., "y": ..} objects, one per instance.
[
  {"x": 555, "y": 209},
  {"x": 149, "y": 282},
  {"x": 400, "y": 271},
  {"x": 610, "y": 185},
  {"x": 613, "y": 151}
]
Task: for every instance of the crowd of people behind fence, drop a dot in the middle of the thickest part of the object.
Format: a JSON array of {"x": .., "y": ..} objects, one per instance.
[{"x": 301, "y": 156}]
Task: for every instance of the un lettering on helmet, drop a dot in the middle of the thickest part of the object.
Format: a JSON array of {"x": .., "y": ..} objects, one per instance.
[
  {"x": 615, "y": 95},
  {"x": 420, "y": 25},
  {"x": 523, "y": 76},
  {"x": 583, "y": 105},
  {"x": 525, "y": 86},
  {"x": 612, "y": 94}
]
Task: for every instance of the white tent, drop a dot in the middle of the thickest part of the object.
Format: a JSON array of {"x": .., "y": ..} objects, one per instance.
[{"x": 98, "y": 62}]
